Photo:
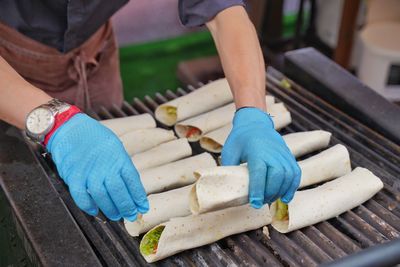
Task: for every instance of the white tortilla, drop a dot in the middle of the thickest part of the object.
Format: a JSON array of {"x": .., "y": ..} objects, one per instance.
[
  {"x": 162, "y": 154},
  {"x": 123, "y": 125},
  {"x": 219, "y": 188},
  {"x": 228, "y": 186},
  {"x": 208, "y": 97},
  {"x": 175, "y": 174},
  {"x": 329, "y": 200},
  {"x": 302, "y": 143},
  {"x": 194, "y": 231},
  {"x": 214, "y": 140},
  {"x": 143, "y": 139},
  {"x": 210, "y": 121},
  {"x": 163, "y": 206},
  {"x": 329, "y": 164}
]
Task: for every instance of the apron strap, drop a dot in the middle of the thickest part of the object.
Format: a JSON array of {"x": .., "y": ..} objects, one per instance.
[{"x": 78, "y": 72}]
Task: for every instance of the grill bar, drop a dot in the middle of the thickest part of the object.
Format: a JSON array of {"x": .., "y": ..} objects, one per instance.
[
  {"x": 374, "y": 222},
  {"x": 324, "y": 243},
  {"x": 302, "y": 114},
  {"x": 327, "y": 79},
  {"x": 315, "y": 103}
]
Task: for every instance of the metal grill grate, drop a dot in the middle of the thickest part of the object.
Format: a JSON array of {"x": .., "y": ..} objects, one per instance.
[{"x": 374, "y": 222}]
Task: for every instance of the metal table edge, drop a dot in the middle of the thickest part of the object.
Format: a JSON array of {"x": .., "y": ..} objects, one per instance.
[
  {"x": 50, "y": 235},
  {"x": 325, "y": 78}
]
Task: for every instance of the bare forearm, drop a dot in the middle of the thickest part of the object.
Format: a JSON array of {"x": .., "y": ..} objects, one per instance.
[
  {"x": 241, "y": 56},
  {"x": 17, "y": 96}
]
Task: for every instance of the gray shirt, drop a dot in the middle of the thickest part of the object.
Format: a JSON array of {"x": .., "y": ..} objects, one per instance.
[{"x": 66, "y": 24}]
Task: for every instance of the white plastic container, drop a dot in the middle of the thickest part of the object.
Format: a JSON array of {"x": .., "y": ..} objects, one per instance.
[
  {"x": 379, "y": 66},
  {"x": 328, "y": 20},
  {"x": 383, "y": 11}
]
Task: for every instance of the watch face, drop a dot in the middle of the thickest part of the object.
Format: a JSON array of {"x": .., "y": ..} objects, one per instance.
[{"x": 39, "y": 121}]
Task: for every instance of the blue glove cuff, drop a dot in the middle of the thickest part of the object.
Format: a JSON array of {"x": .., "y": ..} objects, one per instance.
[
  {"x": 74, "y": 121},
  {"x": 249, "y": 115}
]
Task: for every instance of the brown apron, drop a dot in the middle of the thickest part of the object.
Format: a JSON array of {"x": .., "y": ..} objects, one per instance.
[{"x": 87, "y": 76}]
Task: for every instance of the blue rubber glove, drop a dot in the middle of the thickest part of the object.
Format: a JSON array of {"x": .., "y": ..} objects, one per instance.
[
  {"x": 274, "y": 172},
  {"x": 99, "y": 173}
]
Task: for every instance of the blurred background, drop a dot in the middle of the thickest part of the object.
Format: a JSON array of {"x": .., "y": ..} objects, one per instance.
[{"x": 361, "y": 36}]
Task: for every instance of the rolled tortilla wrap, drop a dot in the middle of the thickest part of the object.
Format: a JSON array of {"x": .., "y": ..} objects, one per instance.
[
  {"x": 228, "y": 186},
  {"x": 302, "y": 143},
  {"x": 195, "y": 127},
  {"x": 193, "y": 231},
  {"x": 326, "y": 201},
  {"x": 143, "y": 139},
  {"x": 206, "y": 98},
  {"x": 329, "y": 164},
  {"x": 214, "y": 140},
  {"x": 162, "y": 154},
  {"x": 123, "y": 125},
  {"x": 175, "y": 174},
  {"x": 163, "y": 206}
]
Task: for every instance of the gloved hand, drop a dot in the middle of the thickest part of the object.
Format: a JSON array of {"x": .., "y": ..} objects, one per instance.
[
  {"x": 274, "y": 172},
  {"x": 99, "y": 173}
]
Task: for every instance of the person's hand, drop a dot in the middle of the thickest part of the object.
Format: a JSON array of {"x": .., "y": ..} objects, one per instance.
[
  {"x": 99, "y": 173},
  {"x": 274, "y": 172}
]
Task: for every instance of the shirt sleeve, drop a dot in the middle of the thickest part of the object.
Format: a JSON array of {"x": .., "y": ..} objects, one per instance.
[{"x": 197, "y": 12}]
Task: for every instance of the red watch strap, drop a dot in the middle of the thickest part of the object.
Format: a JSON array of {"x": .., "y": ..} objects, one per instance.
[{"x": 60, "y": 118}]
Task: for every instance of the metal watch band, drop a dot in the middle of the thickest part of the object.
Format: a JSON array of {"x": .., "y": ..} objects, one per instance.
[
  {"x": 60, "y": 118},
  {"x": 56, "y": 106}
]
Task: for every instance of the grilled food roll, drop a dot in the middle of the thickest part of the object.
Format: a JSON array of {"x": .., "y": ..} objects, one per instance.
[
  {"x": 163, "y": 206},
  {"x": 162, "y": 154},
  {"x": 143, "y": 139},
  {"x": 195, "y": 127},
  {"x": 302, "y": 143},
  {"x": 179, "y": 234},
  {"x": 206, "y": 98},
  {"x": 175, "y": 174},
  {"x": 326, "y": 201},
  {"x": 124, "y": 125},
  {"x": 214, "y": 140},
  {"x": 222, "y": 187},
  {"x": 172, "y": 203}
]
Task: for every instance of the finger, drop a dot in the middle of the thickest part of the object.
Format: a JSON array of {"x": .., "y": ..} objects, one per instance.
[
  {"x": 121, "y": 197},
  {"x": 257, "y": 177},
  {"x": 230, "y": 155},
  {"x": 288, "y": 196},
  {"x": 103, "y": 200},
  {"x": 135, "y": 187},
  {"x": 82, "y": 198},
  {"x": 275, "y": 177},
  {"x": 289, "y": 176}
]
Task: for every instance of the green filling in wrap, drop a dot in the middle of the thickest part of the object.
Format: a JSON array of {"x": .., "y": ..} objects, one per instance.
[
  {"x": 282, "y": 212},
  {"x": 171, "y": 111},
  {"x": 149, "y": 243}
]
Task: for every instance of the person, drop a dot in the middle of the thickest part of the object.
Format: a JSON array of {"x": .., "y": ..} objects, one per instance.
[{"x": 59, "y": 52}]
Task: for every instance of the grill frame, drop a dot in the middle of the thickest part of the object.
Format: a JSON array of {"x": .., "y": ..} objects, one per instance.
[
  {"x": 330, "y": 81},
  {"x": 324, "y": 242}
]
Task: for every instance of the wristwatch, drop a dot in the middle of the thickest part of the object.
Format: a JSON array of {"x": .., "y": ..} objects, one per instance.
[{"x": 42, "y": 120}]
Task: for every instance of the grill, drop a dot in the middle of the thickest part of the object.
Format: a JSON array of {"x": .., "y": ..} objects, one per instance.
[{"x": 375, "y": 222}]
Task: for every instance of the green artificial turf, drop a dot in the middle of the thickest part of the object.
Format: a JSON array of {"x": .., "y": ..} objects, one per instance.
[
  {"x": 289, "y": 23},
  {"x": 151, "y": 67}
]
